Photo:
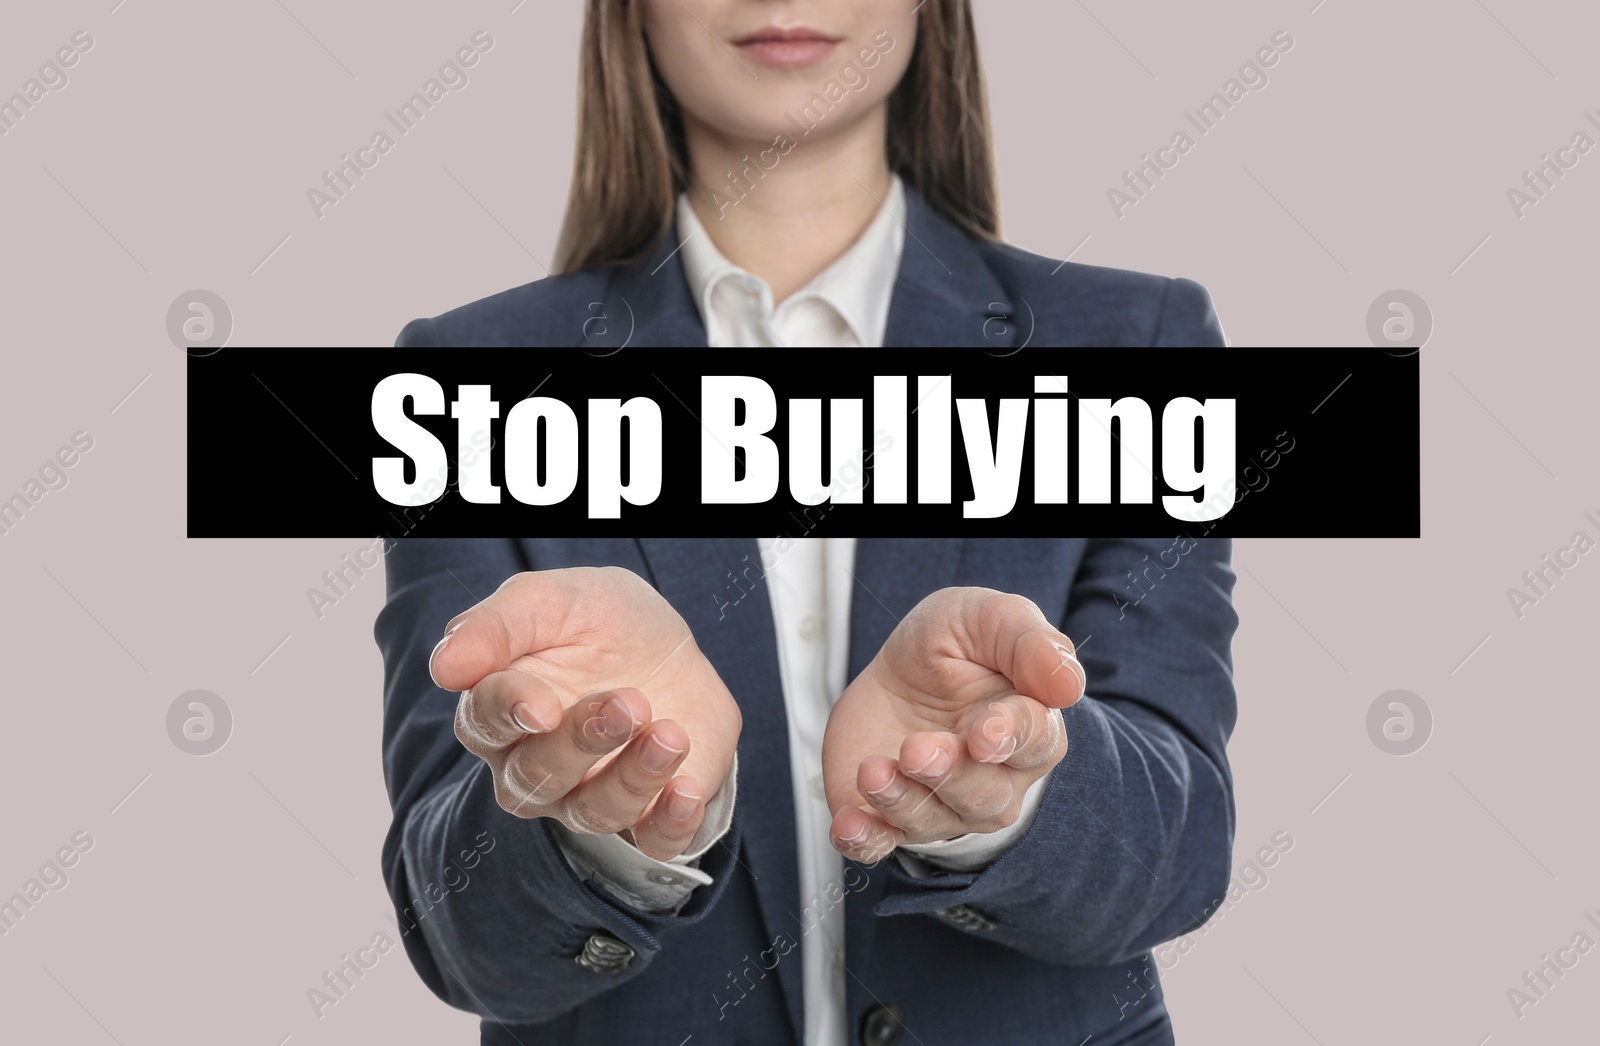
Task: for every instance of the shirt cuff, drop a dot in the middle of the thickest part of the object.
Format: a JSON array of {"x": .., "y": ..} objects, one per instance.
[
  {"x": 974, "y": 851},
  {"x": 662, "y": 887}
]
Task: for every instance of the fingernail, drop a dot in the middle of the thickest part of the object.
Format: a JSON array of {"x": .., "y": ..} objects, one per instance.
[
  {"x": 1073, "y": 665},
  {"x": 681, "y": 806},
  {"x": 859, "y": 837},
  {"x": 656, "y": 755},
  {"x": 522, "y": 715},
  {"x": 935, "y": 767},
  {"x": 889, "y": 793},
  {"x": 999, "y": 735},
  {"x": 612, "y": 720},
  {"x": 1007, "y": 749},
  {"x": 431, "y": 657}
]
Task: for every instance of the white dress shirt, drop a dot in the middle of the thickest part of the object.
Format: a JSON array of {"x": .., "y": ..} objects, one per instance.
[
  {"x": 809, "y": 582},
  {"x": 845, "y": 307}
]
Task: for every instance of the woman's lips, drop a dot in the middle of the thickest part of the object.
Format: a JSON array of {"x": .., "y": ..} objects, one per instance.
[{"x": 787, "y": 48}]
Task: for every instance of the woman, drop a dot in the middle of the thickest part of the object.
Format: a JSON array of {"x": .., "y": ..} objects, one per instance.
[
  {"x": 800, "y": 173},
  {"x": 642, "y": 812}
]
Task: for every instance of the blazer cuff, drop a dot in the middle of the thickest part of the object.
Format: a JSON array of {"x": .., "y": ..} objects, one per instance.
[
  {"x": 641, "y": 881},
  {"x": 974, "y": 851},
  {"x": 1063, "y": 846}
]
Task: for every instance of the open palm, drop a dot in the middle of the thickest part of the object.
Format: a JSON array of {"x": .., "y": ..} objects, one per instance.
[{"x": 958, "y": 704}]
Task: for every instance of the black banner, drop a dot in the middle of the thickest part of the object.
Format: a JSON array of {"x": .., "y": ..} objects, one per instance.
[{"x": 702, "y": 443}]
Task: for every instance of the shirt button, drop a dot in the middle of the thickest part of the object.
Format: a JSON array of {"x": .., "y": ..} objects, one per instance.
[
  {"x": 817, "y": 791},
  {"x": 838, "y": 961},
  {"x": 664, "y": 878},
  {"x": 811, "y": 627}
]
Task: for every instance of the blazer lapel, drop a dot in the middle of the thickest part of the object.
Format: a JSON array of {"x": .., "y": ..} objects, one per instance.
[
  {"x": 647, "y": 304},
  {"x": 738, "y": 638},
  {"x": 892, "y": 576},
  {"x": 946, "y": 294}
]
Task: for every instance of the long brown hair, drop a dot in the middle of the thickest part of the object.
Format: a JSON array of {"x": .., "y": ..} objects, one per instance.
[{"x": 632, "y": 160}]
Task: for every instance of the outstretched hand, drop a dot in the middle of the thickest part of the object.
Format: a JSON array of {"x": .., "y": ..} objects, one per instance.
[
  {"x": 944, "y": 732},
  {"x": 585, "y": 693}
]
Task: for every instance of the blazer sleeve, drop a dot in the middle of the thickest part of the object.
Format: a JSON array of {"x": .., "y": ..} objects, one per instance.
[
  {"x": 1133, "y": 841},
  {"x": 489, "y": 909},
  {"x": 1188, "y": 319},
  {"x": 418, "y": 334}
]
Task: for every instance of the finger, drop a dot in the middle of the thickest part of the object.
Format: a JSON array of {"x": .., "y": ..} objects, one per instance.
[
  {"x": 1010, "y": 635},
  {"x": 617, "y": 796},
  {"x": 984, "y": 797},
  {"x": 1019, "y": 732},
  {"x": 670, "y": 826},
  {"x": 910, "y": 806},
  {"x": 523, "y": 615},
  {"x": 540, "y": 771},
  {"x": 863, "y": 836},
  {"x": 503, "y": 709}
]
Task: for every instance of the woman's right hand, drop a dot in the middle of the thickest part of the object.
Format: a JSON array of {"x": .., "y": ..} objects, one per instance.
[{"x": 586, "y": 694}]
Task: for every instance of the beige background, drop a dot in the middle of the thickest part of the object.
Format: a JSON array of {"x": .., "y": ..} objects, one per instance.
[{"x": 219, "y": 889}]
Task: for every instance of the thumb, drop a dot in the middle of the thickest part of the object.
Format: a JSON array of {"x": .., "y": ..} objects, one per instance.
[
  {"x": 475, "y": 645},
  {"x": 1046, "y": 668},
  {"x": 514, "y": 621},
  {"x": 1010, "y": 635}
]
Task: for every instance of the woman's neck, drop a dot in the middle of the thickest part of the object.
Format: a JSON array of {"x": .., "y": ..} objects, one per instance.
[{"x": 791, "y": 209}]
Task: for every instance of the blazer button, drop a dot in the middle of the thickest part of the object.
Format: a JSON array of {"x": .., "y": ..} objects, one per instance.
[
  {"x": 882, "y": 1026},
  {"x": 966, "y": 917},
  {"x": 604, "y": 954}
]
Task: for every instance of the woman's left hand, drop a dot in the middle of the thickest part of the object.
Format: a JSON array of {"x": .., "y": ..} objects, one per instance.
[{"x": 943, "y": 733}]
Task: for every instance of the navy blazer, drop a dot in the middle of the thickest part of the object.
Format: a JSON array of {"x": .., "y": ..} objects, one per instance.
[
  {"x": 1130, "y": 847},
  {"x": 951, "y": 290}
]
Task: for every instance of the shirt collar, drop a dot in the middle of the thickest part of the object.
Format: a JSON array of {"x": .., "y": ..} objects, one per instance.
[{"x": 858, "y": 285}]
